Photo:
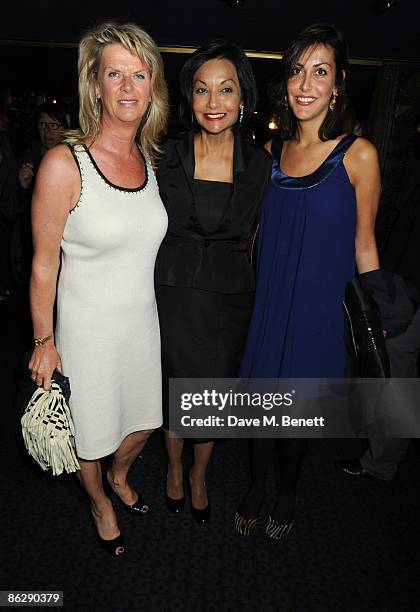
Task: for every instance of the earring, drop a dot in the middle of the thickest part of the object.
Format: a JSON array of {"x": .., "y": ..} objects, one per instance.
[
  {"x": 97, "y": 106},
  {"x": 286, "y": 103},
  {"x": 241, "y": 113},
  {"x": 333, "y": 101}
]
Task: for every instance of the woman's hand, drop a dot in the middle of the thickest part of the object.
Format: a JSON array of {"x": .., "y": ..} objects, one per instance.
[
  {"x": 44, "y": 361},
  {"x": 26, "y": 175}
]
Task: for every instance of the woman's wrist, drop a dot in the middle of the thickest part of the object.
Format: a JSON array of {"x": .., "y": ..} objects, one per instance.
[{"x": 41, "y": 341}]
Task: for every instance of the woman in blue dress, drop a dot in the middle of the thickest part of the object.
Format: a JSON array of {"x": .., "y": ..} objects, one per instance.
[{"x": 316, "y": 227}]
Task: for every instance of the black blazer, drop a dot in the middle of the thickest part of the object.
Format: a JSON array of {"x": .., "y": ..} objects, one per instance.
[{"x": 191, "y": 257}]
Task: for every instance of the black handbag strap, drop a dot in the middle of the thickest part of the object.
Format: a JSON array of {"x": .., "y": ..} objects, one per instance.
[{"x": 366, "y": 330}]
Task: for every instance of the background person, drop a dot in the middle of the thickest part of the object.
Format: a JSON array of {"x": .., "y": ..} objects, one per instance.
[
  {"x": 10, "y": 200},
  {"x": 51, "y": 122},
  {"x": 401, "y": 252},
  {"x": 398, "y": 302}
]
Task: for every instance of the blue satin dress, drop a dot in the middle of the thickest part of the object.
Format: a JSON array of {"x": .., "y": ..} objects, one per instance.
[{"x": 306, "y": 255}]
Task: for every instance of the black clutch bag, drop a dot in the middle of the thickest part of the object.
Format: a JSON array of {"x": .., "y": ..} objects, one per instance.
[
  {"x": 28, "y": 386},
  {"x": 366, "y": 332}
]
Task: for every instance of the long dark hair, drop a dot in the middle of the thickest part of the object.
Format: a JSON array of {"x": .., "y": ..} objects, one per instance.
[
  {"x": 340, "y": 120},
  {"x": 217, "y": 49}
]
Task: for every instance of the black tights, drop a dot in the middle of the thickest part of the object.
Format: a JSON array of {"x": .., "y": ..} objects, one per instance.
[{"x": 264, "y": 452}]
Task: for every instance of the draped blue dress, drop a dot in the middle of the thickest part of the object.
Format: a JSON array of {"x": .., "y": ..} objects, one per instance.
[{"x": 305, "y": 257}]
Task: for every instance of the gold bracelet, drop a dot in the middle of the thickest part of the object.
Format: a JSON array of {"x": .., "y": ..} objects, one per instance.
[{"x": 42, "y": 341}]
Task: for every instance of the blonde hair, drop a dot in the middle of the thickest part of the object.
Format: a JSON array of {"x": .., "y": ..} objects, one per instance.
[{"x": 139, "y": 43}]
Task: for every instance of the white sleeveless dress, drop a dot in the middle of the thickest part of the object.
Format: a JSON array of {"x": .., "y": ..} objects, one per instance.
[{"x": 107, "y": 330}]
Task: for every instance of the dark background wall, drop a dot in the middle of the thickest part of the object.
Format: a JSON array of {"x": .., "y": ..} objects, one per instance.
[
  {"x": 51, "y": 70},
  {"x": 38, "y": 51},
  {"x": 258, "y": 24}
]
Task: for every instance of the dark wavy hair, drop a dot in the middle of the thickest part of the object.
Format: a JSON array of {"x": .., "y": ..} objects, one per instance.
[
  {"x": 217, "y": 49},
  {"x": 340, "y": 120}
]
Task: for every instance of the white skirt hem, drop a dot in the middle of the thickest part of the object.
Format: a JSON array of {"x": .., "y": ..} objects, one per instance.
[{"x": 93, "y": 455}]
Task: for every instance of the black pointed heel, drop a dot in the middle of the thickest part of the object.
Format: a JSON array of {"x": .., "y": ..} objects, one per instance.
[
  {"x": 175, "y": 506},
  {"x": 203, "y": 515}
]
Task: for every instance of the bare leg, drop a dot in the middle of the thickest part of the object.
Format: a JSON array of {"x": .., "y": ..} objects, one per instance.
[
  {"x": 90, "y": 476},
  {"x": 124, "y": 457},
  {"x": 174, "y": 447},
  {"x": 202, "y": 454}
]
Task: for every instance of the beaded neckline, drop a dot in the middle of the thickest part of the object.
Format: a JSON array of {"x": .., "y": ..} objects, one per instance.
[{"x": 118, "y": 187}]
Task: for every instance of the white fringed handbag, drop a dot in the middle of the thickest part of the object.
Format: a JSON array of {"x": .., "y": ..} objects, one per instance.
[{"x": 47, "y": 427}]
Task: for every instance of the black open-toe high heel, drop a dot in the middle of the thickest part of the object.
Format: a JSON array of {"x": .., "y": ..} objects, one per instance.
[
  {"x": 139, "y": 508},
  {"x": 115, "y": 547}
]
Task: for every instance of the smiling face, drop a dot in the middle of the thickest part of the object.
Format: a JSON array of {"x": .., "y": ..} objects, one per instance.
[
  {"x": 216, "y": 96},
  {"x": 312, "y": 83},
  {"x": 123, "y": 84}
]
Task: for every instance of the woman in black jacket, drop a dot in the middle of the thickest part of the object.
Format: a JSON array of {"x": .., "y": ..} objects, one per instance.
[{"x": 211, "y": 181}]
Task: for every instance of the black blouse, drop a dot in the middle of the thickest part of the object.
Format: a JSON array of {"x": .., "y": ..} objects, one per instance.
[{"x": 211, "y": 201}]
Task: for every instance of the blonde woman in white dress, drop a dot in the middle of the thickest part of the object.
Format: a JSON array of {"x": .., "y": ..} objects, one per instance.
[{"x": 97, "y": 203}]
